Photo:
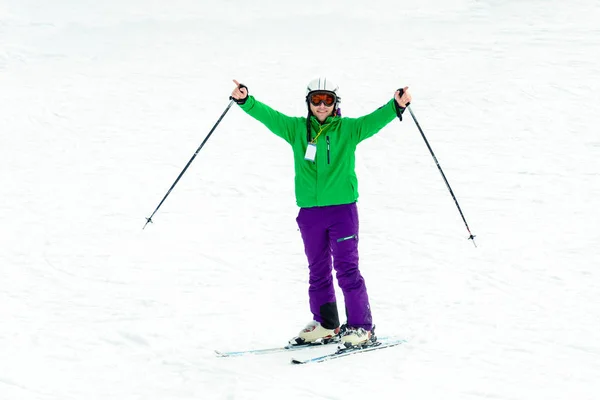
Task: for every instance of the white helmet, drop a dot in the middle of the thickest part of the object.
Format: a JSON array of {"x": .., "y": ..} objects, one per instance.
[{"x": 323, "y": 84}]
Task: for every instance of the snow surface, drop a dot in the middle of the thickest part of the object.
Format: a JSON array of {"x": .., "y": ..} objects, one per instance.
[{"x": 102, "y": 103}]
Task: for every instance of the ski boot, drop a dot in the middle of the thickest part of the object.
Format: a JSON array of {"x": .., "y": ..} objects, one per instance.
[{"x": 315, "y": 333}]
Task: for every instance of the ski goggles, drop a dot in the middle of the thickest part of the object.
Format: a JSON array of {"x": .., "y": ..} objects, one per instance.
[{"x": 326, "y": 98}]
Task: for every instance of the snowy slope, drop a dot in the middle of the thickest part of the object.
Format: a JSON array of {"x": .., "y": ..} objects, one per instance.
[{"x": 103, "y": 103}]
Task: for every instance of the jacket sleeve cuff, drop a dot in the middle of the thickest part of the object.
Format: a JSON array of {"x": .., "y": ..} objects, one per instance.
[{"x": 248, "y": 104}]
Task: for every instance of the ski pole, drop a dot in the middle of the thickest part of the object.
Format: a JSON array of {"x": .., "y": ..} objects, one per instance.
[
  {"x": 149, "y": 219},
  {"x": 471, "y": 236}
]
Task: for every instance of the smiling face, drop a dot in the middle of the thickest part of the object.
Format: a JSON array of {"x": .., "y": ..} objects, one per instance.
[
  {"x": 322, "y": 104},
  {"x": 321, "y": 111}
]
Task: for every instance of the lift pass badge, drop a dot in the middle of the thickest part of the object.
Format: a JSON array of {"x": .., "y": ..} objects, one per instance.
[{"x": 311, "y": 152}]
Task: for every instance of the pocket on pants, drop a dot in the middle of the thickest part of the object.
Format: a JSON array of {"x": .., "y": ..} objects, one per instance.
[{"x": 351, "y": 237}]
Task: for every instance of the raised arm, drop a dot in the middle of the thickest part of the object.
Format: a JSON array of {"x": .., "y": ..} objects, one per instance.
[
  {"x": 277, "y": 122},
  {"x": 368, "y": 125}
]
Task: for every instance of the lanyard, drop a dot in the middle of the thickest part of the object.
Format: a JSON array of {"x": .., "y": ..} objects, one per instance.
[{"x": 314, "y": 141}]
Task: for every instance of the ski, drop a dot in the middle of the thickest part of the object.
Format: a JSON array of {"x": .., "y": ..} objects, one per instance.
[
  {"x": 271, "y": 350},
  {"x": 382, "y": 343}
]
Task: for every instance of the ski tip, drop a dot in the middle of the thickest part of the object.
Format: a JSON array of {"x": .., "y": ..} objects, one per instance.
[
  {"x": 219, "y": 354},
  {"x": 296, "y": 361}
]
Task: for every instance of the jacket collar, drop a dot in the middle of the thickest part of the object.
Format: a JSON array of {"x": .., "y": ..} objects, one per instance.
[{"x": 328, "y": 120}]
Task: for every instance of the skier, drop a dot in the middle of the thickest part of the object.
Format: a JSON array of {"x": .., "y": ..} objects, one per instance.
[{"x": 326, "y": 188}]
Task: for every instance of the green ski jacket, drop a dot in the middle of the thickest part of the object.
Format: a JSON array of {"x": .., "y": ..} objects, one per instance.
[{"x": 331, "y": 178}]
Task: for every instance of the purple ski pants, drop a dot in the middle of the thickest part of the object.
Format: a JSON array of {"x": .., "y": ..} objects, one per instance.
[{"x": 331, "y": 234}]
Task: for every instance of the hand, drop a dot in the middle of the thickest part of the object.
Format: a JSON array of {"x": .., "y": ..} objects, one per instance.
[
  {"x": 240, "y": 93},
  {"x": 403, "y": 99}
]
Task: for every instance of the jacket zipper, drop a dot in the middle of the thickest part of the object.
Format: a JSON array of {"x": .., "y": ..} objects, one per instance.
[{"x": 328, "y": 148}]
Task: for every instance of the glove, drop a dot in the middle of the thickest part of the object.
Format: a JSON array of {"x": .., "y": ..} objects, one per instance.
[
  {"x": 399, "y": 109},
  {"x": 240, "y": 101}
]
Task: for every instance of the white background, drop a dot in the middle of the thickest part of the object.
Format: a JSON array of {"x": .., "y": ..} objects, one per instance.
[{"x": 103, "y": 103}]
